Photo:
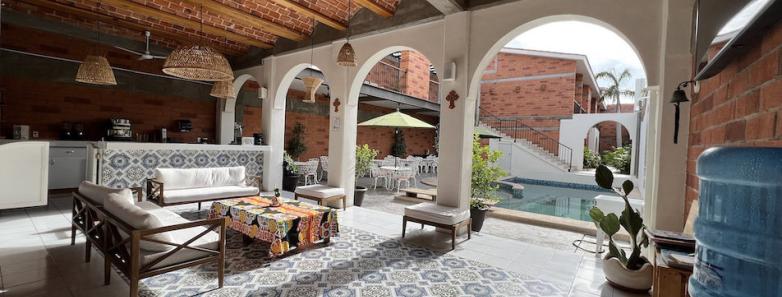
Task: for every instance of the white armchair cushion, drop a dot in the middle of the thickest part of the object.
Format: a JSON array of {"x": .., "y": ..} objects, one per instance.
[
  {"x": 97, "y": 193},
  {"x": 320, "y": 191},
  {"x": 188, "y": 178},
  {"x": 121, "y": 206},
  {"x": 432, "y": 212},
  {"x": 204, "y": 194}
]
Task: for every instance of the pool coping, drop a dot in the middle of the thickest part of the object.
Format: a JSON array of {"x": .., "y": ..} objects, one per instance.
[{"x": 547, "y": 221}]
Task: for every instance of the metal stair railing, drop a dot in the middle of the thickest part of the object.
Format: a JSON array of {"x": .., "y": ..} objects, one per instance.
[{"x": 514, "y": 128}]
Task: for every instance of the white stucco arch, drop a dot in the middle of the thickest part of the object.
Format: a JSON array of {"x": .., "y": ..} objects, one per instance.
[
  {"x": 573, "y": 131},
  {"x": 281, "y": 94},
  {"x": 367, "y": 64},
  {"x": 502, "y": 40}
]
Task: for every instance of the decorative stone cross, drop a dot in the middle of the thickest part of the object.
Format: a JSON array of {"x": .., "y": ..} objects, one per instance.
[
  {"x": 451, "y": 98},
  {"x": 336, "y": 105}
]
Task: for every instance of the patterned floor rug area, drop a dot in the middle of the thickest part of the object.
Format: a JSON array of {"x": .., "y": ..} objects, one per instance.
[{"x": 357, "y": 263}]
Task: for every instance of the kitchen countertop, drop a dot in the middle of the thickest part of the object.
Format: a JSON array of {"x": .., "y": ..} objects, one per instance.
[{"x": 142, "y": 145}]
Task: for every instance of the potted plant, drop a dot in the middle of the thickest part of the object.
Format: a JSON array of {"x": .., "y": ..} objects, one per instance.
[
  {"x": 364, "y": 157},
  {"x": 485, "y": 174},
  {"x": 290, "y": 173},
  {"x": 633, "y": 271}
]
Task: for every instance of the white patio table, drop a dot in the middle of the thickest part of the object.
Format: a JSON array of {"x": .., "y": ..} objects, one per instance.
[{"x": 393, "y": 173}]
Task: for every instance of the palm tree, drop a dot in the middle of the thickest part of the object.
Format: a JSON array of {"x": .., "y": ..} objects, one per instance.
[{"x": 615, "y": 91}]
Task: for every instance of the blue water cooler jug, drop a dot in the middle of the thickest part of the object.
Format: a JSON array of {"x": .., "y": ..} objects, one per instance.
[{"x": 739, "y": 224}]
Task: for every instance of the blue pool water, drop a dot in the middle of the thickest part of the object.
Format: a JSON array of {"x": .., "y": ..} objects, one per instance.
[{"x": 554, "y": 199}]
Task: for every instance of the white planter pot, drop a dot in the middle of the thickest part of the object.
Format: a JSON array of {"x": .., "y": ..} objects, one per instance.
[{"x": 621, "y": 277}]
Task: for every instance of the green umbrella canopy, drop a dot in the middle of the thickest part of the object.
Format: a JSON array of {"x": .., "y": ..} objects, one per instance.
[
  {"x": 486, "y": 133},
  {"x": 397, "y": 120}
]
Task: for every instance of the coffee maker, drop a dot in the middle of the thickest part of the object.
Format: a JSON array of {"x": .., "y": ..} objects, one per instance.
[{"x": 119, "y": 130}]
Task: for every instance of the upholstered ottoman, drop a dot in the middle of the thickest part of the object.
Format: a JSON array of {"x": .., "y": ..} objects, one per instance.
[
  {"x": 440, "y": 216},
  {"x": 320, "y": 193}
]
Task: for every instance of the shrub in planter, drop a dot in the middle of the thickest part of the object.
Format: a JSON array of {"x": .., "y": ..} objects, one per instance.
[
  {"x": 619, "y": 158},
  {"x": 626, "y": 271},
  {"x": 296, "y": 146},
  {"x": 591, "y": 159},
  {"x": 485, "y": 174},
  {"x": 290, "y": 173},
  {"x": 364, "y": 157}
]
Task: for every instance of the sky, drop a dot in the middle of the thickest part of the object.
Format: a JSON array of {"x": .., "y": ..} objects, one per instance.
[{"x": 604, "y": 49}]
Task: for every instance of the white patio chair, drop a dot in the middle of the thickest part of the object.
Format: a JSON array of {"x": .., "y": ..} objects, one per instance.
[
  {"x": 404, "y": 176},
  {"x": 378, "y": 173},
  {"x": 309, "y": 169}
]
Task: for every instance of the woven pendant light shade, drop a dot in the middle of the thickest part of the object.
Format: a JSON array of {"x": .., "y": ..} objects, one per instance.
[
  {"x": 198, "y": 63},
  {"x": 222, "y": 89},
  {"x": 96, "y": 70},
  {"x": 311, "y": 85},
  {"x": 346, "y": 56}
]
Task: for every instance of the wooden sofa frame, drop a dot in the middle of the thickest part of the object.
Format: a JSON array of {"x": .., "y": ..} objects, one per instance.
[
  {"x": 85, "y": 218},
  {"x": 104, "y": 233},
  {"x": 155, "y": 191}
]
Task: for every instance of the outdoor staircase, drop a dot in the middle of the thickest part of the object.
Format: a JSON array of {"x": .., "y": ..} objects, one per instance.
[{"x": 530, "y": 140}]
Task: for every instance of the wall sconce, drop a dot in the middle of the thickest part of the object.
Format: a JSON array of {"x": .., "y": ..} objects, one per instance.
[{"x": 679, "y": 96}]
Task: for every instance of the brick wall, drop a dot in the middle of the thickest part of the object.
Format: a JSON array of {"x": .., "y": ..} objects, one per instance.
[
  {"x": 315, "y": 119},
  {"x": 415, "y": 81},
  {"x": 42, "y": 93},
  {"x": 740, "y": 106}
]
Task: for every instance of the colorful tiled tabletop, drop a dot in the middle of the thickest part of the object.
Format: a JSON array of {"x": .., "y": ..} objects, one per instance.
[{"x": 292, "y": 224}]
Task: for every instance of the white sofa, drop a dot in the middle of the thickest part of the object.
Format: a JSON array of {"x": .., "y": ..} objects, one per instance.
[
  {"x": 172, "y": 186},
  {"x": 143, "y": 239}
]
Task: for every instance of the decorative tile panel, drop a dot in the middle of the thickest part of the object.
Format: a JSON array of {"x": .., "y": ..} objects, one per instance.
[{"x": 121, "y": 168}]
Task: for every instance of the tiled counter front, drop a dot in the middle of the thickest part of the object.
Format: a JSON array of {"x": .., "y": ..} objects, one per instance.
[{"x": 129, "y": 166}]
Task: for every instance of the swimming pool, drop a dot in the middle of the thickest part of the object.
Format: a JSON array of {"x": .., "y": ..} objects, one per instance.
[{"x": 551, "y": 198}]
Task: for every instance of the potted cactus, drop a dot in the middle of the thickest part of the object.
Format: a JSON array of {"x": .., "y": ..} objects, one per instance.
[{"x": 625, "y": 271}]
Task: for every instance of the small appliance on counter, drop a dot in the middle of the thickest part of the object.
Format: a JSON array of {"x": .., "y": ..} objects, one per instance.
[
  {"x": 22, "y": 132},
  {"x": 258, "y": 138},
  {"x": 184, "y": 125},
  {"x": 72, "y": 131},
  {"x": 120, "y": 130}
]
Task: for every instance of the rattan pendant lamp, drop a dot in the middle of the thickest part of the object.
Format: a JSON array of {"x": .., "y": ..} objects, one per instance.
[
  {"x": 95, "y": 69},
  {"x": 311, "y": 83},
  {"x": 222, "y": 89},
  {"x": 347, "y": 56},
  {"x": 198, "y": 62}
]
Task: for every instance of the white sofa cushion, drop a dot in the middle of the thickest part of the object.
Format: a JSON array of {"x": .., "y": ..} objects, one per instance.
[
  {"x": 167, "y": 217},
  {"x": 188, "y": 178},
  {"x": 320, "y": 191},
  {"x": 204, "y": 194},
  {"x": 432, "y": 212},
  {"x": 97, "y": 193},
  {"x": 121, "y": 206}
]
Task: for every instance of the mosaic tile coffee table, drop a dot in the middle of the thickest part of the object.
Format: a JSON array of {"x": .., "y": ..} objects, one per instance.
[{"x": 292, "y": 225}]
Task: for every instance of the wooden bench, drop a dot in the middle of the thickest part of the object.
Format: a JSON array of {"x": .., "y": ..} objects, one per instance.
[
  {"x": 439, "y": 216},
  {"x": 416, "y": 193}
]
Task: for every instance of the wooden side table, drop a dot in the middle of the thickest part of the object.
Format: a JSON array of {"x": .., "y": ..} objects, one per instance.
[{"x": 669, "y": 281}]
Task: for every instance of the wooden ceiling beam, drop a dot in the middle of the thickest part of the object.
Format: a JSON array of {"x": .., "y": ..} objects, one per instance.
[
  {"x": 309, "y": 12},
  {"x": 92, "y": 15},
  {"x": 247, "y": 19},
  {"x": 374, "y": 7},
  {"x": 184, "y": 22}
]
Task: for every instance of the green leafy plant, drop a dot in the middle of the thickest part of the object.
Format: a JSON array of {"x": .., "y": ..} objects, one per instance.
[
  {"x": 290, "y": 166},
  {"x": 485, "y": 174},
  {"x": 296, "y": 146},
  {"x": 591, "y": 159},
  {"x": 619, "y": 158},
  {"x": 364, "y": 157},
  {"x": 399, "y": 148},
  {"x": 630, "y": 220}
]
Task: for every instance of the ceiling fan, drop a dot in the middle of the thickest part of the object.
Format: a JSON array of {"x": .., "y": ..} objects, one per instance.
[{"x": 146, "y": 55}]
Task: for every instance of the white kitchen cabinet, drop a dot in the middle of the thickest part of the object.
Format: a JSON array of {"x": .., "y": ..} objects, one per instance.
[{"x": 67, "y": 167}]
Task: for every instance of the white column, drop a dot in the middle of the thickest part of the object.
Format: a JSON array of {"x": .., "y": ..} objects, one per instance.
[
  {"x": 342, "y": 131},
  {"x": 669, "y": 172},
  {"x": 273, "y": 123},
  {"x": 456, "y": 125}
]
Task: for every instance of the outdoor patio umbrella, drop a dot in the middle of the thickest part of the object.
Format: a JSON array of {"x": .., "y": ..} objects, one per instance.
[{"x": 396, "y": 120}]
